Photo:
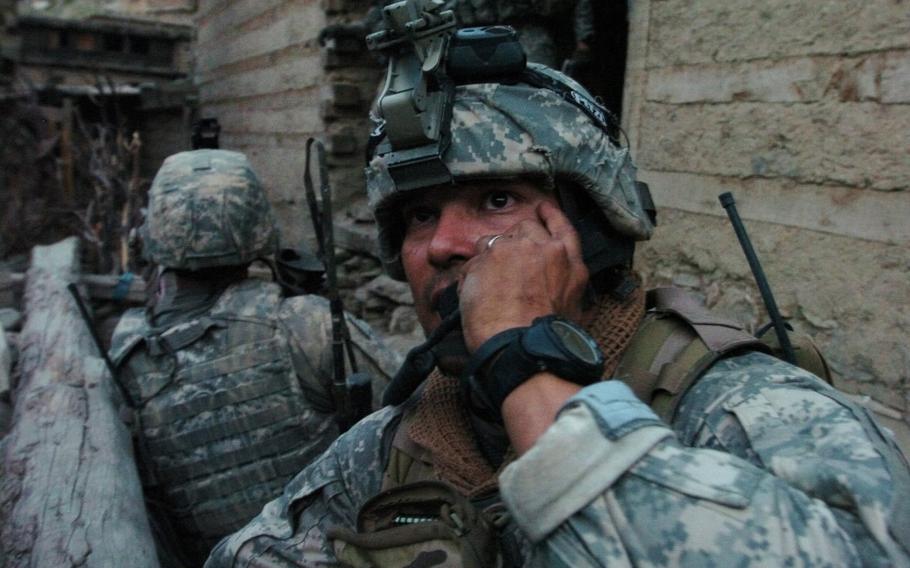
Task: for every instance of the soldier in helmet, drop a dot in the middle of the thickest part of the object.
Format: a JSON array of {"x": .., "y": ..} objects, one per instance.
[
  {"x": 229, "y": 381},
  {"x": 570, "y": 419}
]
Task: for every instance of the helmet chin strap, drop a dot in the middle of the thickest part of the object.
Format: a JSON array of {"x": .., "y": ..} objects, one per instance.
[{"x": 445, "y": 346}]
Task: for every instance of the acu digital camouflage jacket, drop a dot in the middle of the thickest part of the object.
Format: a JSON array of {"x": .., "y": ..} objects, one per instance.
[{"x": 764, "y": 465}]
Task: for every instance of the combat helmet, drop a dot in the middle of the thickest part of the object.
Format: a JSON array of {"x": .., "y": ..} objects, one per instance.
[
  {"x": 534, "y": 123},
  {"x": 206, "y": 209}
]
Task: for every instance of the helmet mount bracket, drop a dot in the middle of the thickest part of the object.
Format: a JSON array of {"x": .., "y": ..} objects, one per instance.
[{"x": 416, "y": 98}]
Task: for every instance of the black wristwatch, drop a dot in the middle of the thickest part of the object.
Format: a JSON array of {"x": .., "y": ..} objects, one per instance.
[{"x": 511, "y": 357}]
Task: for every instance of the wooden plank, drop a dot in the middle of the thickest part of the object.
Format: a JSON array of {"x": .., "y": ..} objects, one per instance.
[
  {"x": 6, "y": 363},
  {"x": 70, "y": 493},
  {"x": 66, "y": 151},
  {"x": 97, "y": 286}
]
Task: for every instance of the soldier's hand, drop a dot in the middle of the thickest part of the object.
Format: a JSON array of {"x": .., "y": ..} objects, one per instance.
[{"x": 533, "y": 269}]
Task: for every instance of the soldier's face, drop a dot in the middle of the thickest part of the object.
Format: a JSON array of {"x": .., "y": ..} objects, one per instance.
[{"x": 443, "y": 227}]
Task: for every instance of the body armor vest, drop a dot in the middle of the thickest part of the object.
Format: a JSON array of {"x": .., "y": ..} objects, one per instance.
[{"x": 222, "y": 421}]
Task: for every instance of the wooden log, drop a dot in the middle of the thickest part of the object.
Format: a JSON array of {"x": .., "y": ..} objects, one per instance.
[
  {"x": 70, "y": 493},
  {"x": 6, "y": 363},
  {"x": 6, "y": 367},
  {"x": 97, "y": 286}
]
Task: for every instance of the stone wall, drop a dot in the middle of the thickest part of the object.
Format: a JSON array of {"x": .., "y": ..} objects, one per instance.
[
  {"x": 262, "y": 73},
  {"x": 168, "y": 11},
  {"x": 259, "y": 72},
  {"x": 802, "y": 111}
]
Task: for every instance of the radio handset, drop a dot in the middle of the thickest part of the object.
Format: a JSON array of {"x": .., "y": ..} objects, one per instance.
[{"x": 421, "y": 360}]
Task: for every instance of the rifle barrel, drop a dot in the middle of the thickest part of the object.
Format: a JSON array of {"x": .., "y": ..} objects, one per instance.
[
  {"x": 74, "y": 291},
  {"x": 87, "y": 318}
]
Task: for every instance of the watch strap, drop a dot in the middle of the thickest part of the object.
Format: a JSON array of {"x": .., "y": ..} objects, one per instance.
[
  {"x": 508, "y": 371},
  {"x": 476, "y": 377},
  {"x": 490, "y": 348},
  {"x": 504, "y": 362}
]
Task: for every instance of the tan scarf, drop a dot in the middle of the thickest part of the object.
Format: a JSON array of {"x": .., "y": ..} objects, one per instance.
[{"x": 440, "y": 423}]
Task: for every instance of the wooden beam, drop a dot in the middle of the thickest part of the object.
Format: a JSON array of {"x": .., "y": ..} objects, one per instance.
[
  {"x": 66, "y": 152},
  {"x": 98, "y": 286},
  {"x": 69, "y": 491},
  {"x": 6, "y": 364}
]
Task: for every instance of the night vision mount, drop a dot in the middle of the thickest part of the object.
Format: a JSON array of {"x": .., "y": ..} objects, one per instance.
[
  {"x": 428, "y": 58},
  {"x": 415, "y": 105}
]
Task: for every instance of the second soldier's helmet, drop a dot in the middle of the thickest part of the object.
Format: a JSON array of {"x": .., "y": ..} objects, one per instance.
[{"x": 206, "y": 209}]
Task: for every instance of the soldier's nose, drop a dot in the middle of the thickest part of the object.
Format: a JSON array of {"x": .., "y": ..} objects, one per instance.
[{"x": 453, "y": 236}]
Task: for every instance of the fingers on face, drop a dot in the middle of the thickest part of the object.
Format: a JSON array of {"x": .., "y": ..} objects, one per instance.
[
  {"x": 559, "y": 226},
  {"x": 552, "y": 229}
]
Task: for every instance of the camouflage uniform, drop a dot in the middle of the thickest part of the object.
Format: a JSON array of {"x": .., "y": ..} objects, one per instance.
[
  {"x": 232, "y": 387},
  {"x": 763, "y": 463}
]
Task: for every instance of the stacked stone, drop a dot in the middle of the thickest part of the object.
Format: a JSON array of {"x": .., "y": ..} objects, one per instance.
[{"x": 386, "y": 304}]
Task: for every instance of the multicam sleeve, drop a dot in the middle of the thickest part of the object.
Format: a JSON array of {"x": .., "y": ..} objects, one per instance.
[{"x": 807, "y": 485}]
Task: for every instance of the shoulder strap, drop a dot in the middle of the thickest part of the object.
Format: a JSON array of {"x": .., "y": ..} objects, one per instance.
[
  {"x": 677, "y": 341},
  {"x": 408, "y": 462},
  {"x": 719, "y": 334}
]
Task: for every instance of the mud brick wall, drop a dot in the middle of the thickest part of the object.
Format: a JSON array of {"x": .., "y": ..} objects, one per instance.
[
  {"x": 802, "y": 110},
  {"x": 262, "y": 73}
]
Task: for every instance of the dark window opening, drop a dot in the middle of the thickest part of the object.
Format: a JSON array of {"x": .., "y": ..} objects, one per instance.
[
  {"x": 606, "y": 78},
  {"x": 112, "y": 42},
  {"x": 51, "y": 39},
  {"x": 86, "y": 41},
  {"x": 161, "y": 51},
  {"x": 139, "y": 45}
]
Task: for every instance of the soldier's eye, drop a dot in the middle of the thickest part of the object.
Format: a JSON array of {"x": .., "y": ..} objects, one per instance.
[
  {"x": 418, "y": 216},
  {"x": 498, "y": 199}
]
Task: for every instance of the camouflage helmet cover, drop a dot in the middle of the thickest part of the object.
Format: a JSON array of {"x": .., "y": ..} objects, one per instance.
[
  {"x": 509, "y": 131},
  {"x": 207, "y": 208}
]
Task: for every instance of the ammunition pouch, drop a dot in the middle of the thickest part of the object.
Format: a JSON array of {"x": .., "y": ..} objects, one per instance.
[{"x": 426, "y": 523}]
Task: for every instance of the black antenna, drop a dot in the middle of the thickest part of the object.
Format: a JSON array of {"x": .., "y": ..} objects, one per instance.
[{"x": 780, "y": 329}]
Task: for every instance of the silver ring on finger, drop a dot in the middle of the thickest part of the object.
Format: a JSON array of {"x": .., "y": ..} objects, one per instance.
[{"x": 492, "y": 240}]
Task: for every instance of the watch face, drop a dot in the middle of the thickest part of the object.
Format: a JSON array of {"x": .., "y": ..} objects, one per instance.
[{"x": 579, "y": 344}]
